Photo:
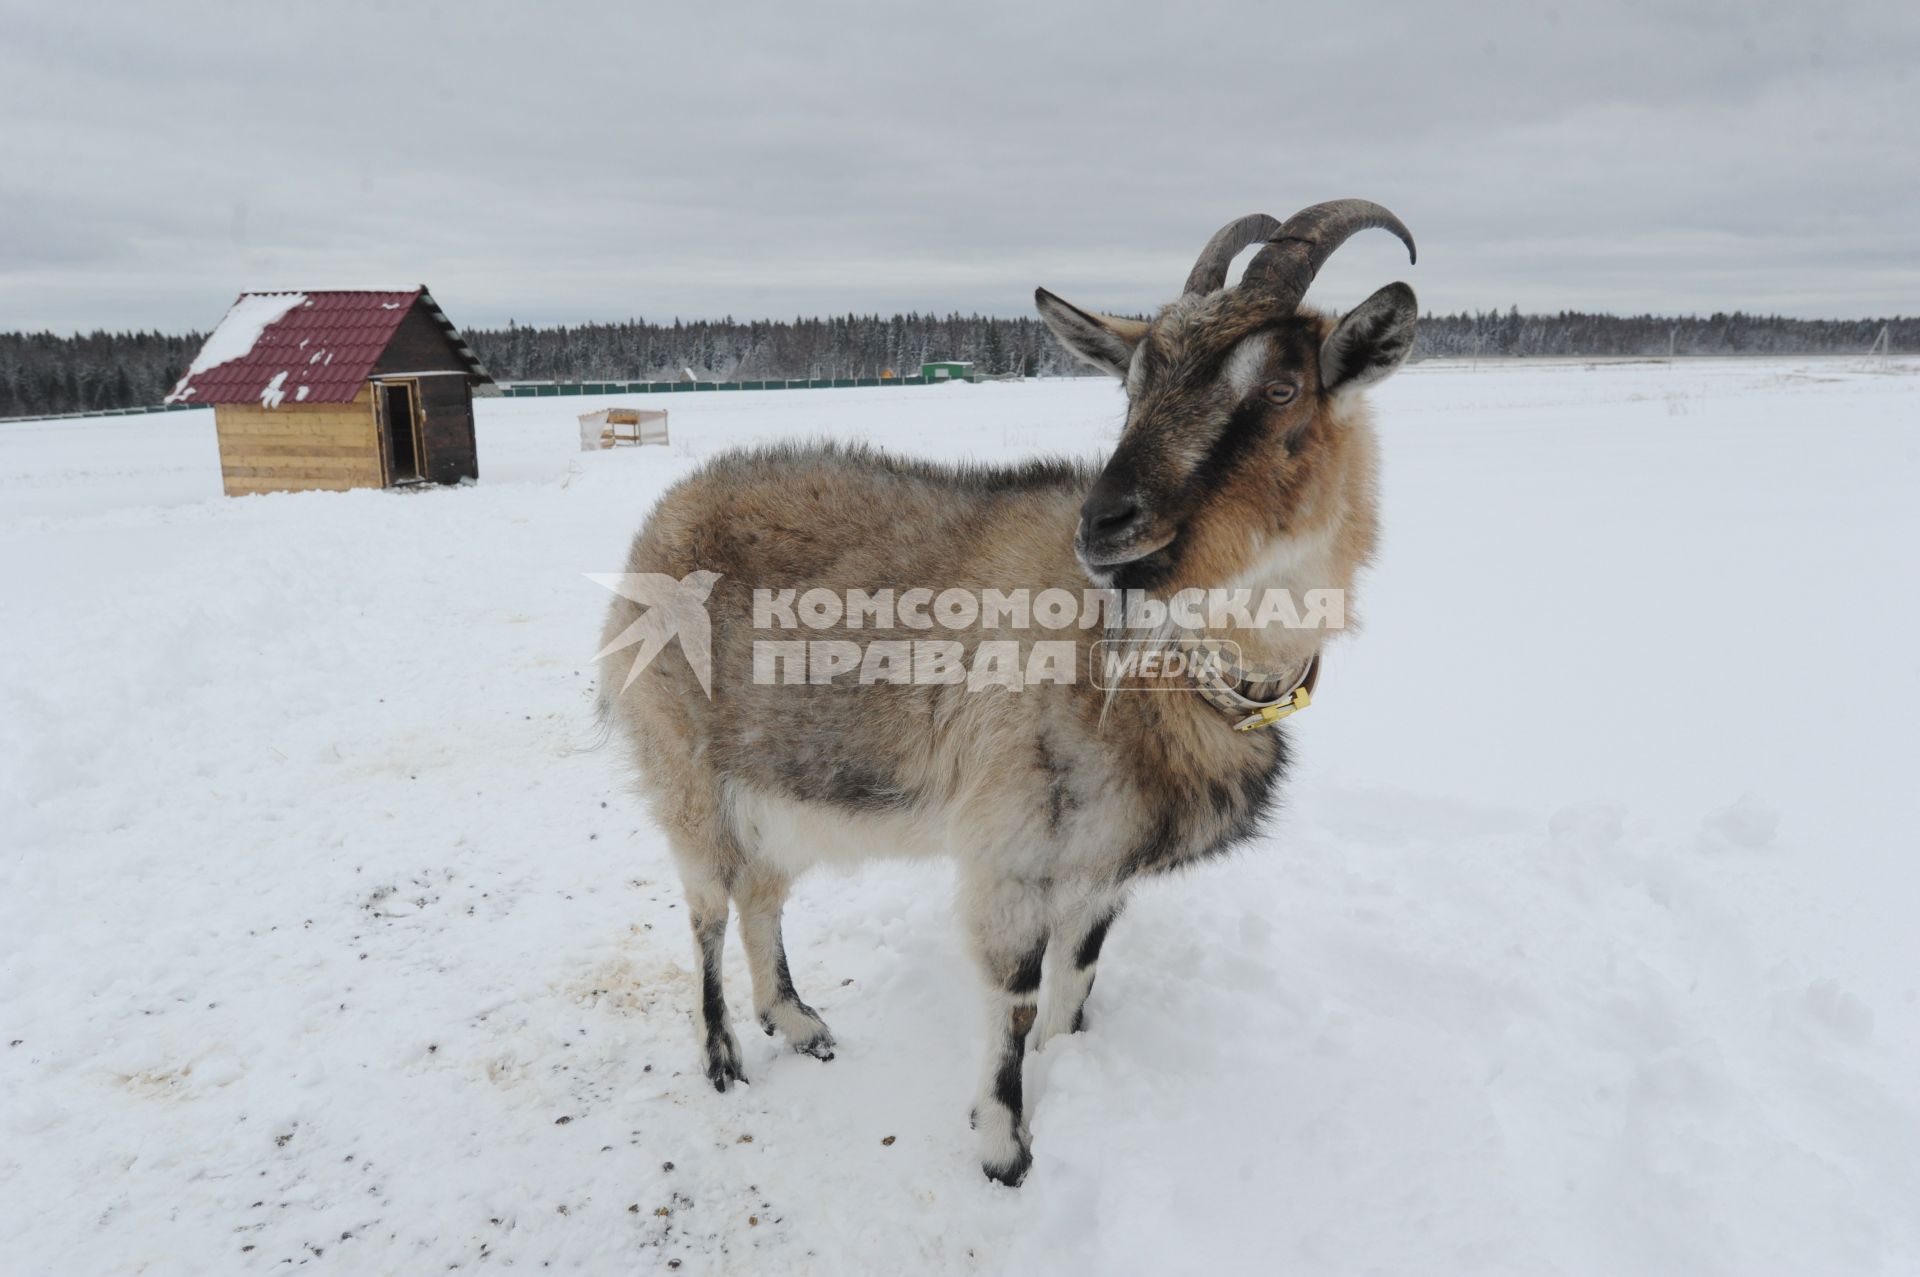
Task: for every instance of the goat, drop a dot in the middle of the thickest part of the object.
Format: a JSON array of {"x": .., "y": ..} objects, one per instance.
[{"x": 1246, "y": 460}]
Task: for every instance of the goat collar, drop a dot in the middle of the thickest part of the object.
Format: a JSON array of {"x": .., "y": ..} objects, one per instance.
[{"x": 1219, "y": 676}]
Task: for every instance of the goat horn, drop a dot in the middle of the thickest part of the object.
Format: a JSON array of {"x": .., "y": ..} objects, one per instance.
[
  {"x": 1210, "y": 272},
  {"x": 1294, "y": 254}
]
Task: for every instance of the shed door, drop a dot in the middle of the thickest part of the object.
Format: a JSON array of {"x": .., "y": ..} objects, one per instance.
[{"x": 400, "y": 431}]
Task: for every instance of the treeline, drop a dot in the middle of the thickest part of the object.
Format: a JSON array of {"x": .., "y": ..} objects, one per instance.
[
  {"x": 867, "y": 345},
  {"x": 42, "y": 373},
  {"x": 1574, "y": 334},
  {"x": 750, "y": 350}
]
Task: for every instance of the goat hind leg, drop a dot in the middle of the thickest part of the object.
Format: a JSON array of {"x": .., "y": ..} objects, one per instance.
[
  {"x": 1071, "y": 962},
  {"x": 761, "y": 894},
  {"x": 707, "y": 911}
]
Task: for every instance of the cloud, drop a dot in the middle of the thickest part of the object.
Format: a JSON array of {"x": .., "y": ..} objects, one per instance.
[{"x": 560, "y": 162}]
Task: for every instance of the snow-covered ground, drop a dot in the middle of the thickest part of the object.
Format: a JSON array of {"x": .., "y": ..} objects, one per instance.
[{"x": 1584, "y": 945}]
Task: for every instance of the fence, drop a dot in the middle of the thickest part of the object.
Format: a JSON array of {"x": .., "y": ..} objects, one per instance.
[
  {"x": 542, "y": 389},
  {"x": 134, "y": 411}
]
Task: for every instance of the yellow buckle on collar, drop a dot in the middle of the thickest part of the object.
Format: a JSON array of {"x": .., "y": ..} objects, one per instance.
[{"x": 1271, "y": 714}]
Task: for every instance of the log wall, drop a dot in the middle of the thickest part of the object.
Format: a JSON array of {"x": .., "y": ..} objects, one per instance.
[{"x": 299, "y": 447}]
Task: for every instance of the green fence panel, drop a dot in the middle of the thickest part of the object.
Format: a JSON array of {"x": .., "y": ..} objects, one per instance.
[{"x": 551, "y": 389}]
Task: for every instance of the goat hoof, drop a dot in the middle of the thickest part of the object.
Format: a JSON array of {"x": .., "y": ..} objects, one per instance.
[
  {"x": 804, "y": 1030},
  {"x": 1010, "y": 1173},
  {"x": 723, "y": 1061},
  {"x": 1006, "y": 1149}
]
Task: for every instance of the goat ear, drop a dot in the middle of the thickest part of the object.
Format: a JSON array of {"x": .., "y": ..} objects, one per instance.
[
  {"x": 1371, "y": 341},
  {"x": 1102, "y": 340}
]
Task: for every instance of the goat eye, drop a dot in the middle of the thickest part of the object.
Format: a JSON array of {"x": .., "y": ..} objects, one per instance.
[{"x": 1278, "y": 392}]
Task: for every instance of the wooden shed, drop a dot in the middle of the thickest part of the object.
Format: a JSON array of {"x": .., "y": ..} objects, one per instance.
[{"x": 336, "y": 390}]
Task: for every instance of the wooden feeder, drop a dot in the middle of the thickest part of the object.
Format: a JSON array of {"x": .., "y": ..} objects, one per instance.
[{"x": 609, "y": 427}]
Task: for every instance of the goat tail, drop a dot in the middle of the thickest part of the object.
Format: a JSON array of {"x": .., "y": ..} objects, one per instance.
[{"x": 602, "y": 730}]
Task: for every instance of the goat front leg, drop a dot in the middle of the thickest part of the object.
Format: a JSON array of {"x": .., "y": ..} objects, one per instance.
[{"x": 1008, "y": 927}]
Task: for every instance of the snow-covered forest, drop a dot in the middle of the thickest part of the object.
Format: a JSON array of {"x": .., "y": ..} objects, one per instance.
[
  {"x": 44, "y": 373},
  {"x": 40, "y": 372},
  {"x": 866, "y": 345}
]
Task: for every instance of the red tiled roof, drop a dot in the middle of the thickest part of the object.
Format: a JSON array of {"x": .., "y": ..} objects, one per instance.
[{"x": 320, "y": 351}]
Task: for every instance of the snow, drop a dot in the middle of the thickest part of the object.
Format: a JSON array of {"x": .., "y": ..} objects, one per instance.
[
  {"x": 237, "y": 334},
  {"x": 1584, "y": 944},
  {"x": 274, "y": 392}
]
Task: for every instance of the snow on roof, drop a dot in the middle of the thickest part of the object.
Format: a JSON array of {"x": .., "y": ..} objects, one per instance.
[
  {"x": 236, "y": 335},
  {"x": 263, "y": 350}
]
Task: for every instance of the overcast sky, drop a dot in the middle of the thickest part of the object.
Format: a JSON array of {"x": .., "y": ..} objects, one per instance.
[{"x": 550, "y": 162}]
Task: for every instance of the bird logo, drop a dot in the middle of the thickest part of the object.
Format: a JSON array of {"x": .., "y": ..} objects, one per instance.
[{"x": 674, "y": 609}]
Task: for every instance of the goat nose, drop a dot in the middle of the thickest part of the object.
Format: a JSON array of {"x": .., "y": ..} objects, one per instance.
[{"x": 1109, "y": 513}]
